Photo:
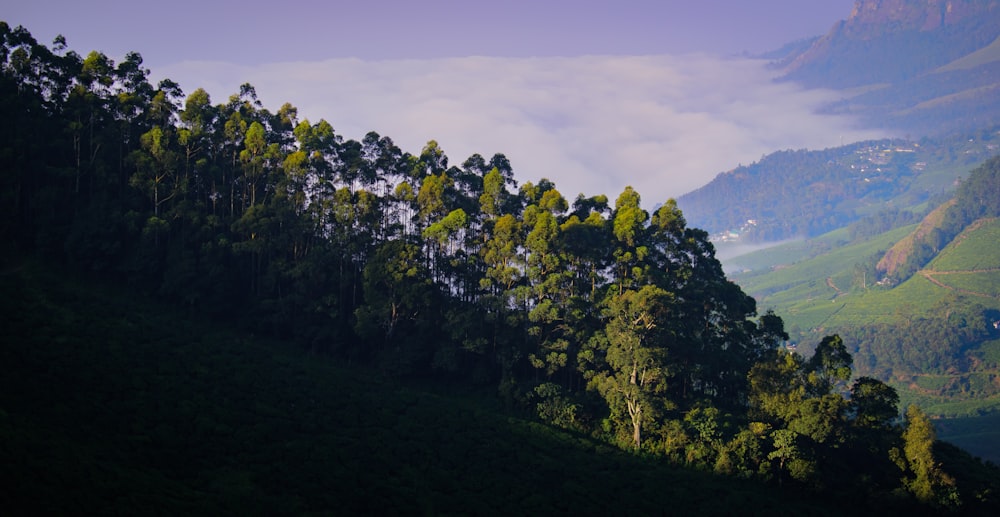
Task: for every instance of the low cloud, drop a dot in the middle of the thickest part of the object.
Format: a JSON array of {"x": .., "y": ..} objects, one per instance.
[{"x": 664, "y": 124}]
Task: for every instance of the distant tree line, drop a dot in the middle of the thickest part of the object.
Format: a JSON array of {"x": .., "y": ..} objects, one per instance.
[
  {"x": 942, "y": 342},
  {"x": 881, "y": 222},
  {"x": 803, "y": 193},
  {"x": 601, "y": 317}
]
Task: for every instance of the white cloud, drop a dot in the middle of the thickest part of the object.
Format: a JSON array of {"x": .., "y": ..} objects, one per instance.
[{"x": 663, "y": 124}]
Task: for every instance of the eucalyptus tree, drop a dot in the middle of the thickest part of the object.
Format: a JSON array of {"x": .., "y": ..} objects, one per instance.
[
  {"x": 627, "y": 363},
  {"x": 157, "y": 166},
  {"x": 717, "y": 340},
  {"x": 628, "y": 226},
  {"x": 585, "y": 237},
  {"x": 136, "y": 106},
  {"x": 197, "y": 139},
  {"x": 502, "y": 285},
  {"x": 550, "y": 322},
  {"x": 384, "y": 167},
  {"x": 924, "y": 476},
  {"x": 399, "y": 315}
]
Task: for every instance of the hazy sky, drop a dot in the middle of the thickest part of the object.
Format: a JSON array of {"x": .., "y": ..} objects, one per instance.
[{"x": 594, "y": 95}]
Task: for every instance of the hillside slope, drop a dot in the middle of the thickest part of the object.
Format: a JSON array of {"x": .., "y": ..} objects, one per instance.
[
  {"x": 111, "y": 404},
  {"x": 795, "y": 194},
  {"x": 897, "y": 256},
  {"x": 933, "y": 337}
]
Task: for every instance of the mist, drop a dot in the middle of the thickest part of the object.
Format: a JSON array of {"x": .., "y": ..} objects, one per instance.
[{"x": 665, "y": 125}]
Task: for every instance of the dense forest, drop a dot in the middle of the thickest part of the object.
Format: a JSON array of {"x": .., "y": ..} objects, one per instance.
[{"x": 600, "y": 317}]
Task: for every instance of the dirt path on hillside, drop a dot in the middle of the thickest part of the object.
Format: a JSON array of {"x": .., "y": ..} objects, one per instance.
[{"x": 930, "y": 276}]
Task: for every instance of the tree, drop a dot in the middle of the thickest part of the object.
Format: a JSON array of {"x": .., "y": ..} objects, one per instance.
[
  {"x": 396, "y": 313},
  {"x": 632, "y": 372},
  {"x": 874, "y": 404},
  {"x": 628, "y": 226},
  {"x": 255, "y": 152},
  {"x": 927, "y": 481},
  {"x": 500, "y": 283},
  {"x": 830, "y": 363},
  {"x": 156, "y": 168},
  {"x": 547, "y": 277}
]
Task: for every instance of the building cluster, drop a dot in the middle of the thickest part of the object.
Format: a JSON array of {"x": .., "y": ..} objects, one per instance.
[{"x": 733, "y": 235}]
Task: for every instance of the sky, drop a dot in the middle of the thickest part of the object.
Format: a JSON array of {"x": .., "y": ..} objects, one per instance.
[{"x": 593, "y": 95}]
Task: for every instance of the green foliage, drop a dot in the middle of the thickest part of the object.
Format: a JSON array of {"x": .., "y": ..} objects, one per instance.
[
  {"x": 831, "y": 361},
  {"x": 628, "y": 369},
  {"x": 927, "y": 482},
  {"x": 873, "y": 403},
  {"x": 554, "y": 407},
  {"x": 930, "y": 337}
]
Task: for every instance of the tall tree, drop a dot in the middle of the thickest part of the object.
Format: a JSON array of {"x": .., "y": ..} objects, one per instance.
[
  {"x": 628, "y": 224},
  {"x": 927, "y": 481},
  {"x": 628, "y": 366}
]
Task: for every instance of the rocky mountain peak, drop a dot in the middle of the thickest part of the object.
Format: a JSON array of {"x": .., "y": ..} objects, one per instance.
[
  {"x": 923, "y": 15},
  {"x": 885, "y": 41}
]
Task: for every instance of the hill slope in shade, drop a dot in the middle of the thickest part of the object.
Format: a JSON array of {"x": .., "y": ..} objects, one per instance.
[
  {"x": 111, "y": 404},
  {"x": 983, "y": 56}
]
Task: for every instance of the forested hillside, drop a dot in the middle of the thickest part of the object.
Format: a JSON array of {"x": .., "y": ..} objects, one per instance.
[
  {"x": 600, "y": 317},
  {"x": 806, "y": 193}
]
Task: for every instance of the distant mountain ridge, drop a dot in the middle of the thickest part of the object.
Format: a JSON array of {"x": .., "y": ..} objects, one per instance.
[
  {"x": 894, "y": 40},
  {"x": 923, "y": 15},
  {"x": 907, "y": 66}
]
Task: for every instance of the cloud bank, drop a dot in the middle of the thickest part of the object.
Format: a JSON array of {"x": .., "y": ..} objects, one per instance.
[{"x": 665, "y": 125}]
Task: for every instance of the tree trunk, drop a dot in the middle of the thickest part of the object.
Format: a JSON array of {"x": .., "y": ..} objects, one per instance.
[{"x": 637, "y": 428}]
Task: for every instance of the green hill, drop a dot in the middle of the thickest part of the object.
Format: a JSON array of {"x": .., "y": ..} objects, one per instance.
[
  {"x": 933, "y": 337},
  {"x": 897, "y": 256}
]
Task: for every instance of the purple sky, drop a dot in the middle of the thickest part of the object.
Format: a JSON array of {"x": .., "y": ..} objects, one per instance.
[
  {"x": 592, "y": 95},
  {"x": 255, "y": 31}
]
